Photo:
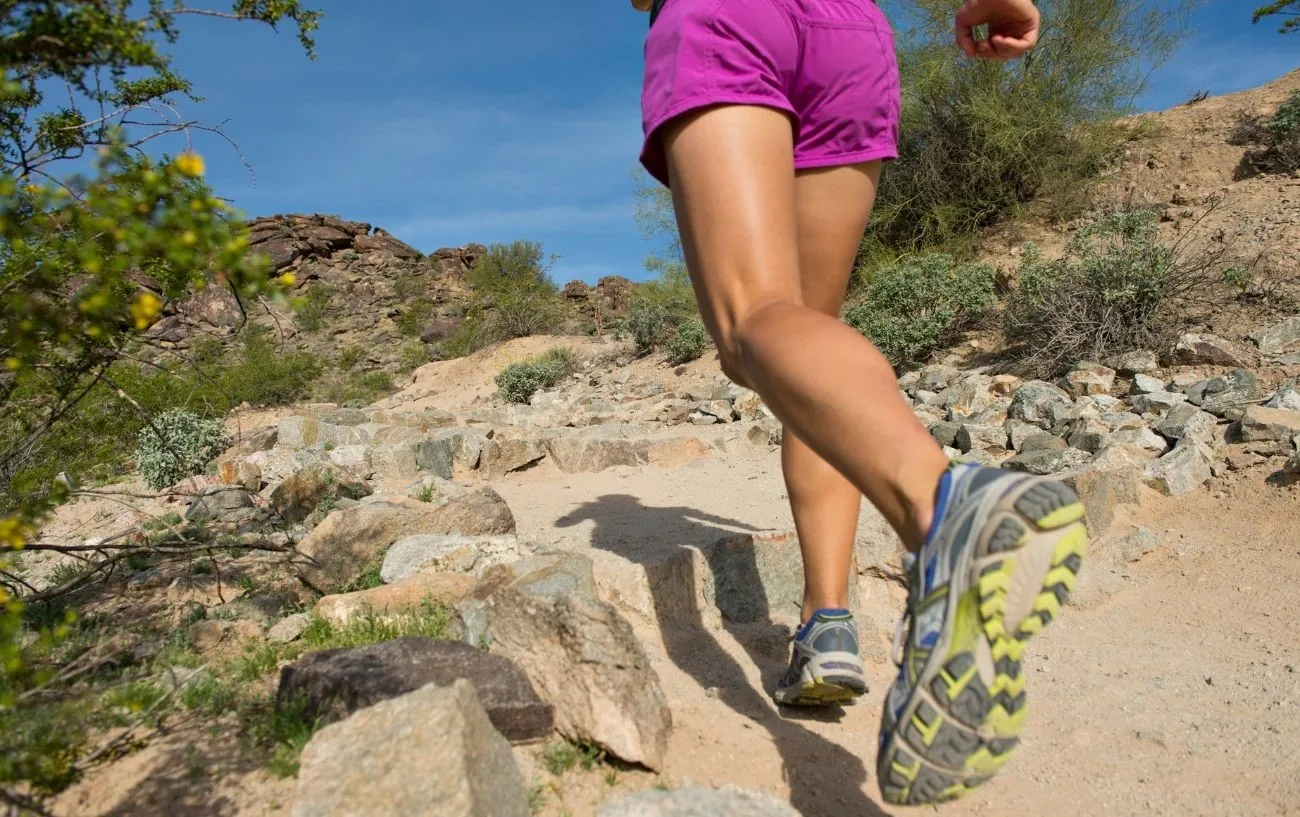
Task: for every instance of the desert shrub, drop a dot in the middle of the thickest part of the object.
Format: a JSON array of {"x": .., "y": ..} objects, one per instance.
[
  {"x": 515, "y": 298},
  {"x": 980, "y": 139},
  {"x": 350, "y": 357},
  {"x": 519, "y": 381},
  {"x": 1273, "y": 142},
  {"x": 912, "y": 309},
  {"x": 1116, "y": 289},
  {"x": 688, "y": 342},
  {"x": 659, "y": 306},
  {"x": 176, "y": 445},
  {"x": 414, "y": 355},
  {"x": 415, "y": 317},
  {"x": 261, "y": 374}
]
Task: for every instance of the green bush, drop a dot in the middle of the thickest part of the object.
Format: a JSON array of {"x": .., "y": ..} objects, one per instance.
[
  {"x": 912, "y": 309},
  {"x": 518, "y": 382},
  {"x": 659, "y": 306},
  {"x": 1116, "y": 289},
  {"x": 688, "y": 342},
  {"x": 515, "y": 298},
  {"x": 415, "y": 317},
  {"x": 1274, "y": 142},
  {"x": 979, "y": 139},
  {"x": 176, "y": 445},
  {"x": 315, "y": 307}
]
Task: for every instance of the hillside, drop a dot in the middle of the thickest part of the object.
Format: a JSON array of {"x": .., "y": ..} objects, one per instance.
[{"x": 610, "y": 561}]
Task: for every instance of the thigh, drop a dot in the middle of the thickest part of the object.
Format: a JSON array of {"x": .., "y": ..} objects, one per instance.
[
  {"x": 832, "y": 207},
  {"x": 731, "y": 173}
]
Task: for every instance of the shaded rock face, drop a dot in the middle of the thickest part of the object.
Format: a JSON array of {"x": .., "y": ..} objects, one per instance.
[{"x": 336, "y": 683}]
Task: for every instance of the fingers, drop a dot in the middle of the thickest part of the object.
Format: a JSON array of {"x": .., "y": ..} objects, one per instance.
[{"x": 966, "y": 31}]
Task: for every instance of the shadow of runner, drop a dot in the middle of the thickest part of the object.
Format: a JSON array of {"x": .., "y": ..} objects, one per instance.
[{"x": 825, "y": 779}]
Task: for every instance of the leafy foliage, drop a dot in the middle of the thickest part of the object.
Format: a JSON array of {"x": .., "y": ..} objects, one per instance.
[
  {"x": 979, "y": 139},
  {"x": 660, "y": 306},
  {"x": 1274, "y": 142},
  {"x": 1114, "y": 290},
  {"x": 515, "y": 298},
  {"x": 688, "y": 342},
  {"x": 519, "y": 381},
  {"x": 1281, "y": 8},
  {"x": 911, "y": 309},
  {"x": 178, "y": 444}
]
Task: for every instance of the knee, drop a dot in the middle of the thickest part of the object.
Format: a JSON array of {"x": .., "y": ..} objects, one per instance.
[{"x": 736, "y": 338}]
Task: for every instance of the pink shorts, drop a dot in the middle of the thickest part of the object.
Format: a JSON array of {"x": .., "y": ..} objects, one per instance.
[{"x": 829, "y": 64}]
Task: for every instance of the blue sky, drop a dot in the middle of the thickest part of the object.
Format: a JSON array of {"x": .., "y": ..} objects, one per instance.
[{"x": 492, "y": 120}]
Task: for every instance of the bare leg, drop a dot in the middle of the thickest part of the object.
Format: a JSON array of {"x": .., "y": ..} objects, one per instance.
[
  {"x": 832, "y": 207},
  {"x": 734, "y": 194}
]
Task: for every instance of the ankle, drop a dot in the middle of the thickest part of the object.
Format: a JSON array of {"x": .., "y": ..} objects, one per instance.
[
  {"x": 919, "y": 495},
  {"x": 810, "y": 608}
]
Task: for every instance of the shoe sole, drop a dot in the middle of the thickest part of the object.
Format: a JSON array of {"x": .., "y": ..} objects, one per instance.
[
  {"x": 954, "y": 734},
  {"x": 827, "y": 691}
]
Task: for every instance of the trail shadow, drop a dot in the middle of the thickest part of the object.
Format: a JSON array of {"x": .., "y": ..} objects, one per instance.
[{"x": 825, "y": 779}]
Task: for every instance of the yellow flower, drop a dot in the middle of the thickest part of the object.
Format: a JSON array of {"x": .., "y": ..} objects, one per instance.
[
  {"x": 146, "y": 308},
  {"x": 13, "y": 364},
  {"x": 32, "y": 189},
  {"x": 189, "y": 238},
  {"x": 288, "y": 279},
  {"x": 190, "y": 164},
  {"x": 13, "y": 533}
]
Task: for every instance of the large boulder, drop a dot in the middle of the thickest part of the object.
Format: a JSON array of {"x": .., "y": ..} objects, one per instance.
[
  {"x": 332, "y": 684},
  {"x": 433, "y": 751},
  {"x": 340, "y": 547},
  {"x": 391, "y": 602},
  {"x": 1267, "y": 424},
  {"x": 1196, "y": 349},
  {"x": 1279, "y": 337},
  {"x": 579, "y": 653},
  {"x": 298, "y": 496},
  {"x": 463, "y": 554}
]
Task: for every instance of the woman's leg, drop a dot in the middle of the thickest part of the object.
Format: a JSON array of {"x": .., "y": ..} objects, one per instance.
[
  {"x": 733, "y": 183},
  {"x": 831, "y": 209}
]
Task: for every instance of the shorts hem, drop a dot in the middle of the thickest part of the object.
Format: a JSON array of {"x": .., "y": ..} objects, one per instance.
[
  {"x": 652, "y": 152},
  {"x": 839, "y": 159}
]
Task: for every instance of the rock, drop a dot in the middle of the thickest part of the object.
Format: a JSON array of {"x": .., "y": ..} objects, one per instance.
[
  {"x": 467, "y": 446},
  {"x": 393, "y": 602},
  {"x": 1088, "y": 434},
  {"x": 333, "y": 684},
  {"x": 340, "y": 547},
  {"x": 288, "y": 629},
  {"x": 1157, "y": 402},
  {"x": 1033, "y": 403},
  {"x": 1137, "y": 544},
  {"x": 968, "y": 396},
  {"x": 1042, "y": 441},
  {"x": 697, "y": 801},
  {"x": 1113, "y": 478},
  {"x": 1186, "y": 422},
  {"x": 461, "y": 554},
  {"x": 230, "y": 505},
  {"x": 1193, "y": 349},
  {"x": 1018, "y": 431},
  {"x": 1185, "y": 468},
  {"x": 296, "y": 497},
  {"x": 1138, "y": 437},
  {"x": 754, "y": 576},
  {"x": 1138, "y": 362},
  {"x": 749, "y": 406},
  {"x": 579, "y": 653},
  {"x": 434, "y": 457},
  {"x": 937, "y": 377},
  {"x": 1227, "y": 395},
  {"x": 980, "y": 437},
  {"x": 1278, "y": 425},
  {"x": 593, "y": 450},
  {"x": 1279, "y": 337},
  {"x": 945, "y": 432},
  {"x": 242, "y": 473},
  {"x": 396, "y": 461},
  {"x": 1286, "y": 398},
  {"x": 210, "y": 635},
  {"x": 1004, "y": 385},
  {"x": 1089, "y": 378},
  {"x": 433, "y": 751},
  {"x": 765, "y": 432},
  {"x": 1047, "y": 461},
  {"x": 1145, "y": 384},
  {"x": 434, "y": 489},
  {"x": 298, "y": 432},
  {"x": 722, "y": 410},
  {"x": 500, "y": 457}
]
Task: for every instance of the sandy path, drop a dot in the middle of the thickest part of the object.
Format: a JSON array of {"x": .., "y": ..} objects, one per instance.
[{"x": 1174, "y": 692}]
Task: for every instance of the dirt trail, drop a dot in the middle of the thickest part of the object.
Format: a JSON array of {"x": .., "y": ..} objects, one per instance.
[{"x": 1172, "y": 690}]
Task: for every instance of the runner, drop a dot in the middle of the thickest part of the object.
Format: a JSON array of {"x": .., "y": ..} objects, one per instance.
[{"x": 769, "y": 120}]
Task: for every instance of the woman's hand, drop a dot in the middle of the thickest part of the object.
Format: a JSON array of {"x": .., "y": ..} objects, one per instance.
[{"x": 1013, "y": 28}]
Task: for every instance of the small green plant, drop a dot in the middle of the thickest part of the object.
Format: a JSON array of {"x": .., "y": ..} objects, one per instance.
[
  {"x": 425, "y": 494},
  {"x": 414, "y": 355},
  {"x": 65, "y": 572},
  {"x": 562, "y": 757},
  {"x": 688, "y": 342},
  {"x": 910, "y": 310},
  {"x": 176, "y": 445},
  {"x": 350, "y": 357},
  {"x": 518, "y": 382},
  {"x": 415, "y": 317}
]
